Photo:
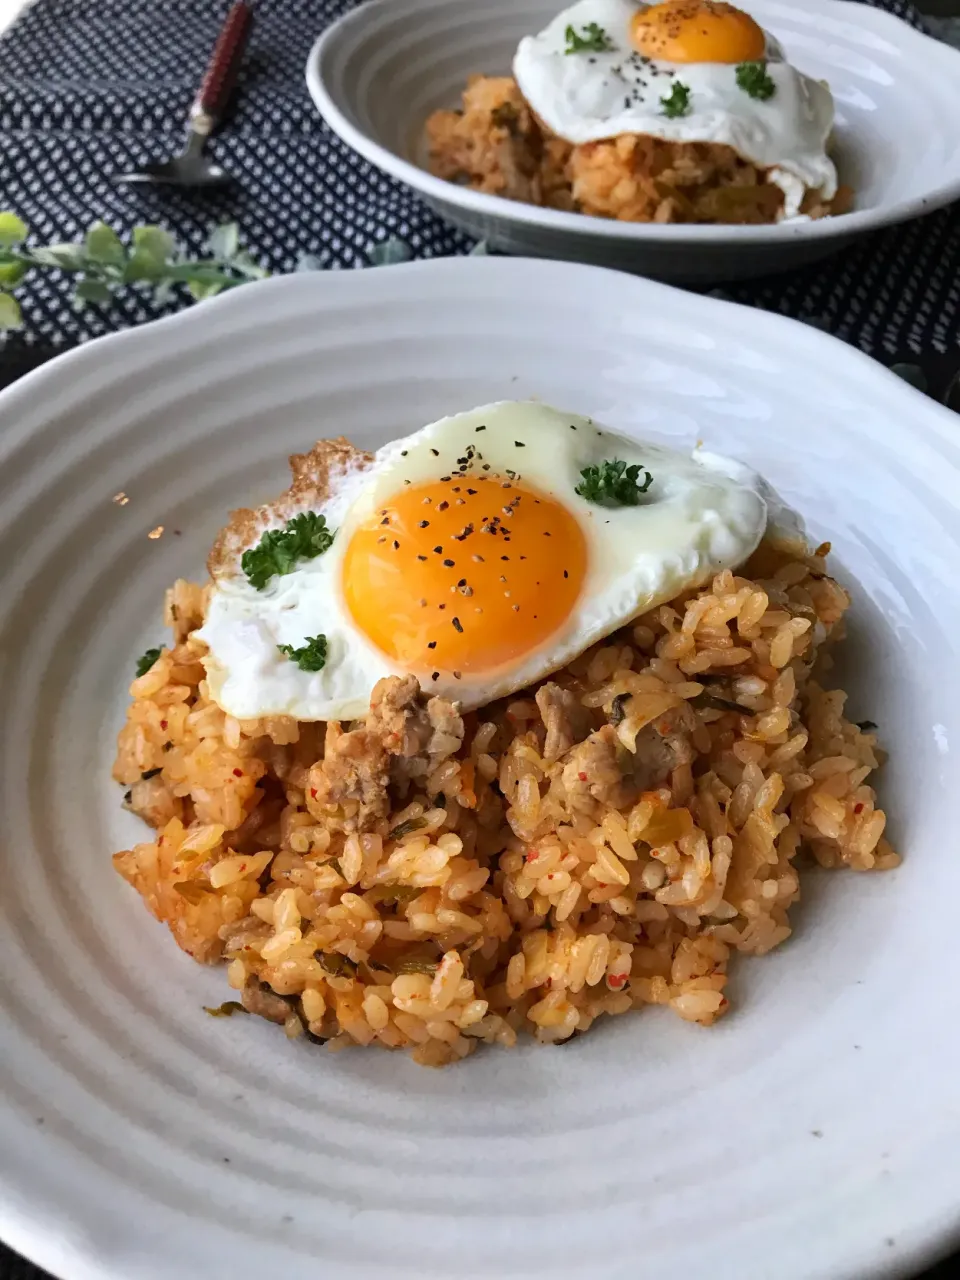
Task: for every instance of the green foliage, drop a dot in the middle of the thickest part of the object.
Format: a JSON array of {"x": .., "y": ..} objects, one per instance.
[
  {"x": 614, "y": 484},
  {"x": 103, "y": 264},
  {"x": 305, "y": 537},
  {"x": 753, "y": 78},
  {"x": 590, "y": 39},
  {"x": 146, "y": 661},
  {"x": 677, "y": 102}
]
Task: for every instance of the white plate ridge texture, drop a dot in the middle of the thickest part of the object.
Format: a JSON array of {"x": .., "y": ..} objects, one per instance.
[
  {"x": 811, "y": 1135},
  {"x": 378, "y": 72}
]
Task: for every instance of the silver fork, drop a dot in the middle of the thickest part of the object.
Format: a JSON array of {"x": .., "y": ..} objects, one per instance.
[{"x": 192, "y": 168}]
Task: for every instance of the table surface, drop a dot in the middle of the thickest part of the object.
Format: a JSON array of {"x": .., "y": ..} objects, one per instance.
[{"x": 13, "y": 1267}]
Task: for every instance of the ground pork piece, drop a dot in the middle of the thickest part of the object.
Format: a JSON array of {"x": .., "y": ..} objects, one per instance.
[
  {"x": 404, "y": 737},
  {"x": 417, "y": 736},
  {"x": 240, "y": 934},
  {"x": 353, "y": 775},
  {"x": 564, "y": 717},
  {"x": 257, "y": 997},
  {"x": 153, "y": 801},
  {"x": 602, "y": 769}
]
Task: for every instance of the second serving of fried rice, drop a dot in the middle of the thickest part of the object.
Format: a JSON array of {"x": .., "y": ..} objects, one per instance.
[
  {"x": 496, "y": 144},
  {"x": 429, "y": 880}
]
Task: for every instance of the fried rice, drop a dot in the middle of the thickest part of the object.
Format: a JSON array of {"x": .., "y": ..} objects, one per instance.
[
  {"x": 432, "y": 881},
  {"x": 495, "y": 143}
]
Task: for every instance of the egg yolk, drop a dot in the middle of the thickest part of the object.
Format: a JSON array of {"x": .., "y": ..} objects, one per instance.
[
  {"x": 697, "y": 31},
  {"x": 464, "y": 574}
]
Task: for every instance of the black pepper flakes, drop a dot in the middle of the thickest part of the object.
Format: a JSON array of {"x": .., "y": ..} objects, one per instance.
[
  {"x": 421, "y": 558},
  {"x": 432, "y": 644},
  {"x": 448, "y": 564},
  {"x": 396, "y": 545},
  {"x": 481, "y": 428},
  {"x": 435, "y": 452},
  {"x": 457, "y": 625},
  {"x": 438, "y": 551},
  {"x": 424, "y": 524}
]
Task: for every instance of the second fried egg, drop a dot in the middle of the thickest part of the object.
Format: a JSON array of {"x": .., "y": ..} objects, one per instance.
[{"x": 603, "y": 68}]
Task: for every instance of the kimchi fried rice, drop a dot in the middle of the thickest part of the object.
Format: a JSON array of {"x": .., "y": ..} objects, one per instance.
[
  {"x": 429, "y": 880},
  {"x": 496, "y": 144}
]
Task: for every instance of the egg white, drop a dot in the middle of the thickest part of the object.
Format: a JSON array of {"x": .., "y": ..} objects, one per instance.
[
  {"x": 586, "y": 97},
  {"x": 701, "y": 514}
]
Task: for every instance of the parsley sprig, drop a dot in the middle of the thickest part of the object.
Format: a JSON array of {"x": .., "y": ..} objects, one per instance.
[
  {"x": 614, "y": 484},
  {"x": 103, "y": 263},
  {"x": 754, "y": 79},
  {"x": 278, "y": 552},
  {"x": 311, "y": 656},
  {"x": 591, "y": 39},
  {"x": 677, "y": 102},
  {"x": 146, "y": 661}
]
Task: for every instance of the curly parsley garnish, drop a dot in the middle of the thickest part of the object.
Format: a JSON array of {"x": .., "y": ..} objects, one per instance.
[
  {"x": 753, "y": 78},
  {"x": 225, "y": 1010},
  {"x": 305, "y": 537},
  {"x": 614, "y": 484},
  {"x": 592, "y": 39},
  {"x": 146, "y": 662},
  {"x": 677, "y": 102},
  {"x": 312, "y": 656}
]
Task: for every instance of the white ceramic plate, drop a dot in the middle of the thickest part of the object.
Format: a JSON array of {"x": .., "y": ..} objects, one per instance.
[
  {"x": 378, "y": 73},
  {"x": 813, "y": 1133}
]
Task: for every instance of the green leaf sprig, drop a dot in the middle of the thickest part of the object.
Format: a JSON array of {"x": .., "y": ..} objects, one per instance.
[
  {"x": 614, "y": 484},
  {"x": 677, "y": 102},
  {"x": 590, "y": 39},
  {"x": 311, "y": 656},
  {"x": 103, "y": 264},
  {"x": 145, "y": 662},
  {"x": 754, "y": 79},
  {"x": 304, "y": 537}
]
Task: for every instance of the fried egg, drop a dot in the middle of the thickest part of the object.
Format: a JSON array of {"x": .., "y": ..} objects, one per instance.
[
  {"x": 623, "y": 59},
  {"x": 465, "y": 554}
]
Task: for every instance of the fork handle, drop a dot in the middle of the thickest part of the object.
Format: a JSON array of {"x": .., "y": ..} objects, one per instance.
[{"x": 221, "y": 73}]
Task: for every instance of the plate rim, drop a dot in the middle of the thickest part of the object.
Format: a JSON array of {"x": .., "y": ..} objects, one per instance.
[
  {"x": 86, "y": 354},
  {"x": 625, "y": 234},
  {"x": 32, "y": 1234}
]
